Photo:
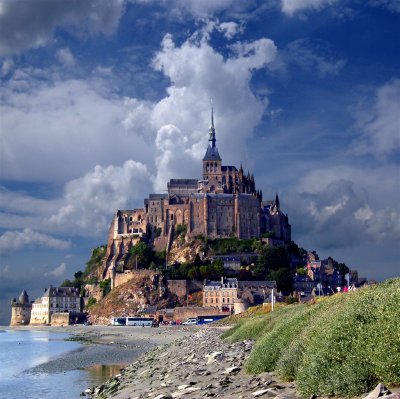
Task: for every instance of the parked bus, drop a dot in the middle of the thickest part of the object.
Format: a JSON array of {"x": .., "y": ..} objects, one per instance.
[
  {"x": 118, "y": 321},
  {"x": 209, "y": 319},
  {"x": 140, "y": 321}
]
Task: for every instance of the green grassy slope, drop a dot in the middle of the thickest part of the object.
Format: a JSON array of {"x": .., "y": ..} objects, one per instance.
[{"x": 343, "y": 345}]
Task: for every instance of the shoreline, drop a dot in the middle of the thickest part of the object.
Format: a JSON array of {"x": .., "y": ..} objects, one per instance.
[
  {"x": 198, "y": 365},
  {"x": 103, "y": 345}
]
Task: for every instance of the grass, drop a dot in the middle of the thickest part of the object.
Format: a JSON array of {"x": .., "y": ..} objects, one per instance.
[{"x": 341, "y": 346}]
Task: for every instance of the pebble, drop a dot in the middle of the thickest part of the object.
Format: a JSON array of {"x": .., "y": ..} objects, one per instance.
[{"x": 196, "y": 366}]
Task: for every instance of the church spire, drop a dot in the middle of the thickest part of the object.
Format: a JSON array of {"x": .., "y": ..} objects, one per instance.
[{"x": 212, "y": 129}]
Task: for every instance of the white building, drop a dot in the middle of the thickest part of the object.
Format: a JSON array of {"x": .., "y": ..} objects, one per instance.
[{"x": 55, "y": 300}]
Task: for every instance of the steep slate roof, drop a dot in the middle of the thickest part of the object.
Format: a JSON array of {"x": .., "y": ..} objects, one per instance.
[
  {"x": 212, "y": 154},
  {"x": 61, "y": 292},
  {"x": 157, "y": 196},
  {"x": 257, "y": 284}
]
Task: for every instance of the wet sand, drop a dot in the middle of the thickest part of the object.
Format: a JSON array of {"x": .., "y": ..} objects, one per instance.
[{"x": 107, "y": 345}]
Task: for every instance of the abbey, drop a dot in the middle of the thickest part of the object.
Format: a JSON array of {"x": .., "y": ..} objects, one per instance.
[{"x": 223, "y": 203}]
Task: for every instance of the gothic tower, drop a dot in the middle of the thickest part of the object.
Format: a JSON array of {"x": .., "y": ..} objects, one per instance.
[{"x": 212, "y": 160}]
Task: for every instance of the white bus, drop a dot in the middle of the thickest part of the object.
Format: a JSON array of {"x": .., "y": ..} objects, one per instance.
[
  {"x": 139, "y": 321},
  {"x": 118, "y": 321}
]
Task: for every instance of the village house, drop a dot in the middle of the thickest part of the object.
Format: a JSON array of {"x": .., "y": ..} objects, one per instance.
[
  {"x": 55, "y": 300},
  {"x": 223, "y": 294}
]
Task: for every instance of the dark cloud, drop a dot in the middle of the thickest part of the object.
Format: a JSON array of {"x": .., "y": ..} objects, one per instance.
[{"x": 25, "y": 24}]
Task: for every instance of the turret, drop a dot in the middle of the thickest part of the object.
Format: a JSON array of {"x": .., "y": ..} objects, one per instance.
[{"x": 23, "y": 298}]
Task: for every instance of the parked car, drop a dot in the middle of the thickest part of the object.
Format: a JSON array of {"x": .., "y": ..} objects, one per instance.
[{"x": 190, "y": 322}]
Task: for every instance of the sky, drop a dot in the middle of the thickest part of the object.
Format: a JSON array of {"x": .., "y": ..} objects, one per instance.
[{"x": 102, "y": 102}]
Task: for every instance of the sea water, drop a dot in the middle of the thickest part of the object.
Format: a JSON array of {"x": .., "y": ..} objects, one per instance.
[{"x": 22, "y": 350}]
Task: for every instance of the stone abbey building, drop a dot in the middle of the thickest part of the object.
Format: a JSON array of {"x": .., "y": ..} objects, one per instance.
[{"x": 223, "y": 203}]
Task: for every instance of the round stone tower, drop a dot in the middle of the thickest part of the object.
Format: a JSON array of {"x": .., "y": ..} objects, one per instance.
[
  {"x": 21, "y": 310},
  {"x": 240, "y": 305}
]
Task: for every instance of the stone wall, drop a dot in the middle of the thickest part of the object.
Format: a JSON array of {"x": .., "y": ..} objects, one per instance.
[
  {"x": 94, "y": 291},
  {"x": 60, "y": 319},
  {"x": 178, "y": 287},
  {"x": 122, "y": 278}
]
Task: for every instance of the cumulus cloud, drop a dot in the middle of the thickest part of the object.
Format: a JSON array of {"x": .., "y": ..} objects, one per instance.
[
  {"x": 58, "y": 271},
  {"x": 230, "y": 29},
  {"x": 13, "y": 240},
  {"x": 65, "y": 57},
  {"x": 89, "y": 201},
  {"x": 198, "y": 73},
  {"x": 313, "y": 55},
  {"x": 32, "y": 24},
  {"x": 48, "y": 123},
  {"x": 391, "y": 5},
  {"x": 339, "y": 207},
  {"x": 378, "y": 121},
  {"x": 290, "y": 7},
  {"x": 6, "y": 66}
]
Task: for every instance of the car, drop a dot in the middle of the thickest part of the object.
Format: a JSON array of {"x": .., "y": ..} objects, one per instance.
[{"x": 190, "y": 322}]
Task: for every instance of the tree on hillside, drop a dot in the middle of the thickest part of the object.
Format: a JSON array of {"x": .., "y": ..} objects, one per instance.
[
  {"x": 284, "y": 280},
  {"x": 271, "y": 259},
  {"x": 140, "y": 253}
]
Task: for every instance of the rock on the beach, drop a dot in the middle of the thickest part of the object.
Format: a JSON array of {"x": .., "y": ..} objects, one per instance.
[
  {"x": 261, "y": 392},
  {"x": 380, "y": 390},
  {"x": 232, "y": 370},
  {"x": 187, "y": 368}
]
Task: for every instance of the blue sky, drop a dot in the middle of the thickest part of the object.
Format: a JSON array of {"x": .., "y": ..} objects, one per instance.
[{"x": 102, "y": 102}]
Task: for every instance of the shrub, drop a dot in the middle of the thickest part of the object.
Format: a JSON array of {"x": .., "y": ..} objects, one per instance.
[
  {"x": 355, "y": 345},
  {"x": 91, "y": 302},
  {"x": 270, "y": 346}
]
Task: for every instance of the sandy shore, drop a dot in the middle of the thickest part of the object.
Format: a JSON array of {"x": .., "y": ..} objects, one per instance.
[{"x": 106, "y": 345}]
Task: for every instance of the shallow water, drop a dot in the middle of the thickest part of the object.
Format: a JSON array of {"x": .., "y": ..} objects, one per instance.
[{"x": 22, "y": 353}]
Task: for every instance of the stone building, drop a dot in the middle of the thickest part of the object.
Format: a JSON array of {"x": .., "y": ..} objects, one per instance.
[
  {"x": 55, "y": 300},
  {"x": 224, "y": 202},
  {"x": 21, "y": 310},
  {"x": 225, "y": 293},
  {"x": 220, "y": 294}
]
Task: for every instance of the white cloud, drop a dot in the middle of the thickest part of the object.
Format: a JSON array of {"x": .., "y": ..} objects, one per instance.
[
  {"x": 90, "y": 201},
  {"x": 313, "y": 55},
  {"x": 379, "y": 122},
  {"x": 198, "y": 73},
  {"x": 391, "y": 5},
  {"x": 58, "y": 271},
  {"x": 13, "y": 240},
  {"x": 72, "y": 122},
  {"x": 7, "y": 66},
  {"x": 65, "y": 57},
  {"x": 290, "y": 7},
  {"x": 340, "y": 206},
  {"x": 33, "y": 23},
  {"x": 230, "y": 29}
]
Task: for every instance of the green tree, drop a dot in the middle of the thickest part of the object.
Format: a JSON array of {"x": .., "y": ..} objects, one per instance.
[
  {"x": 91, "y": 302},
  {"x": 283, "y": 278},
  {"x": 105, "y": 285},
  {"x": 301, "y": 271},
  {"x": 194, "y": 273},
  {"x": 140, "y": 253}
]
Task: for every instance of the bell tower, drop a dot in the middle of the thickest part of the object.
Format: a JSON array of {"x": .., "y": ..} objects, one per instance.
[{"x": 212, "y": 160}]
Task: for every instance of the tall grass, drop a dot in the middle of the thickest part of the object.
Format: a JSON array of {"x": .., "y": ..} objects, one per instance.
[{"x": 342, "y": 346}]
